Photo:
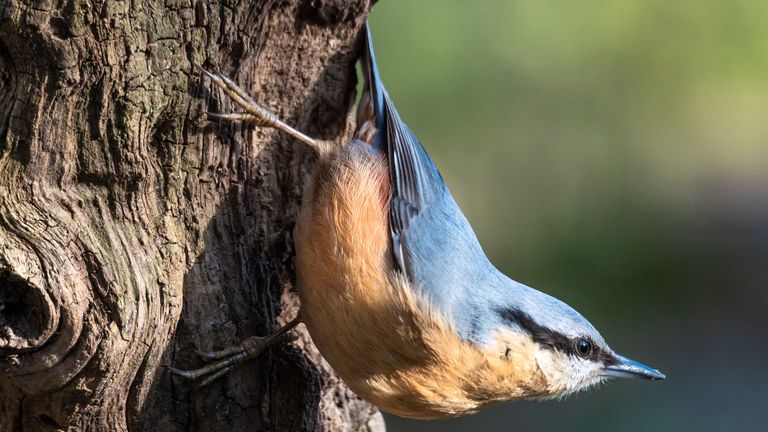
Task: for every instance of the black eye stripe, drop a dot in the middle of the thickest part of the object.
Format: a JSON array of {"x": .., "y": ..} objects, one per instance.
[
  {"x": 552, "y": 339},
  {"x": 538, "y": 333}
]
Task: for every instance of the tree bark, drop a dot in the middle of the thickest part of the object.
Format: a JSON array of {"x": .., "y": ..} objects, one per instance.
[{"x": 132, "y": 230}]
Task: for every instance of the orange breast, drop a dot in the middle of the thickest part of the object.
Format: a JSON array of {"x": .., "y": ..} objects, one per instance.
[{"x": 379, "y": 335}]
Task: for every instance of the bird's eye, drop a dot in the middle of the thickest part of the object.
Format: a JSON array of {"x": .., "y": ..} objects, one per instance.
[{"x": 583, "y": 347}]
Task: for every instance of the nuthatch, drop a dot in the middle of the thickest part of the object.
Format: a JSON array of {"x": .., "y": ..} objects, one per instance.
[{"x": 396, "y": 291}]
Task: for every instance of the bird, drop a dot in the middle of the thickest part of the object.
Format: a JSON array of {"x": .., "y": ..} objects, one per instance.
[{"x": 396, "y": 291}]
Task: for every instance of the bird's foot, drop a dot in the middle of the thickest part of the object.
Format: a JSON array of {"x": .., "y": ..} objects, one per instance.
[
  {"x": 255, "y": 113},
  {"x": 222, "y": 362}
]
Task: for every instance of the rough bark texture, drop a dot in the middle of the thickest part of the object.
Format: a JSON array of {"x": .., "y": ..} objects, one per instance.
[{"x": 132, "y": 230}]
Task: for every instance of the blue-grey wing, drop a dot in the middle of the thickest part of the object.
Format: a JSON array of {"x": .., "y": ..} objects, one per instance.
[
  {"x": 432, "y": 241},
  {"x": 415, "y": 183}
]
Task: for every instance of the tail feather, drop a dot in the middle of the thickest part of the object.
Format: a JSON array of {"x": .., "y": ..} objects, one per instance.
[{"x": 370, "y": 113}]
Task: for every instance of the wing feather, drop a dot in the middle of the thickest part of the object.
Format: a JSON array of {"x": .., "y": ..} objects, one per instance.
[{"x": 415, "y": 181}]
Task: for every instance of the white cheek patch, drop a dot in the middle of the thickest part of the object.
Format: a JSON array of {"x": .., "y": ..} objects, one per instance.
[
  {"x": 583, "y": 374},
  {"x": 566, "y": 374},
  {"x": 581, "y": 369},
  {"x": 554, "y": 365}
]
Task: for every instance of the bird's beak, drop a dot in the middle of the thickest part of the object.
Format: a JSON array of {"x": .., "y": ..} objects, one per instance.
[{"x": 626, "y": 368}]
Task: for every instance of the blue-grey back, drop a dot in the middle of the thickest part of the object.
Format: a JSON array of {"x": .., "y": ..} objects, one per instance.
[{"x": 445, "y": 260}]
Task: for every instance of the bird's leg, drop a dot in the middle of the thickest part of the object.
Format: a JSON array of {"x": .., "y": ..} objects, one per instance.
[
  {"x": 222, "y": 362},
  {"x": 254, "y": 112}
]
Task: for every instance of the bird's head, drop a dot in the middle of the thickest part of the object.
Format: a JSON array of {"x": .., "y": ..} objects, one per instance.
[{"x": 567, "y": 349}]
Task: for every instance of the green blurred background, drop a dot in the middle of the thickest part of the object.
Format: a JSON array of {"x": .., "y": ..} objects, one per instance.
[{"x": 612, "y": 154}]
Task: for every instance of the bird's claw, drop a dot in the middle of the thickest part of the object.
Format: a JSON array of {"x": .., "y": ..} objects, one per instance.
[
  {"x": 223, "y": 361},
  {"x": 255, "y": 113}
]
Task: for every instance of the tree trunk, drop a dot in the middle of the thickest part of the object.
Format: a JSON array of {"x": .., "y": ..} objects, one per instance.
[{"x": 132, "y": 230}]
